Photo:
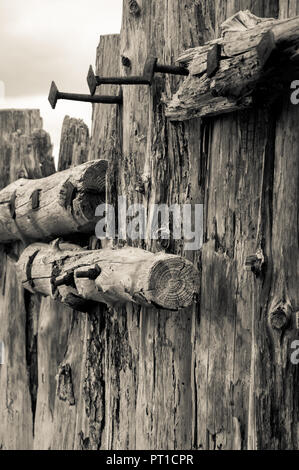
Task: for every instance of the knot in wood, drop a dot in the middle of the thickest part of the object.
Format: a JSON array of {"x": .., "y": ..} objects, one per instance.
[
  {"x": 125, "y": 61},
  {"x": 279, "y": 318},
  {"x": 134, "y": 8},
  {"x": 22, "y": 174}
]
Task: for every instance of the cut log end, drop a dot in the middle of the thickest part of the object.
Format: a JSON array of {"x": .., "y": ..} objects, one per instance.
[
  {"x": 173, "y": 283},
  {"x": 114, "y": 277}
]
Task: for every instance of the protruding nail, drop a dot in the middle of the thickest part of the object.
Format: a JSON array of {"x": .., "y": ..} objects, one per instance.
[
  {"x": 91, "y": 273},
  {"x": 94, "y": 81},
  {"x": 151, "y": 67},
  {"x": 66, "y": 279},
  {"x": 56, "y": 95}
]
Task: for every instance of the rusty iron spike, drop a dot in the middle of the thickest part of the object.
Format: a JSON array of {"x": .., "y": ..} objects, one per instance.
[
  {"x": 94, "y": 80},
  {"x": 151, "y": 67},
  {"x": 56, "y": 95}
]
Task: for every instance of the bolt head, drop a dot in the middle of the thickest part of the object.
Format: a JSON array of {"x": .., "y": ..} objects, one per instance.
[
  {"x": 53, "y": 95},
  {"x": 91, "y": 81}
]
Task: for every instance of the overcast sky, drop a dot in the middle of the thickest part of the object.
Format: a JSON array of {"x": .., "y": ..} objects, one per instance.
[{"x": 45, "y": 40}]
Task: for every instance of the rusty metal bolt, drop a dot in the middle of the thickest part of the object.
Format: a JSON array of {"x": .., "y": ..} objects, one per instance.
[
  {"x": 66, "y": 279},
  {"x": 91, "y": 273}
]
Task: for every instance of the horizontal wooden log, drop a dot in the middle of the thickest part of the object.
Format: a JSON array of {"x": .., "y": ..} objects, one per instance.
[
  {"x": 60, "y": 204},
  {"x": 79, "y": 277},
  {"x": 254, "y": 54}
]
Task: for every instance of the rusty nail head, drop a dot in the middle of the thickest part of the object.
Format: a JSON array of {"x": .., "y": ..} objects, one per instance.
[
  {"x": 53, "y": 95},
  {"x": 91, "y": 81}
]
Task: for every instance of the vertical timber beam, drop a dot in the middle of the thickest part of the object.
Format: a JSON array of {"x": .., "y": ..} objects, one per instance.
[
  {"x": 158, "y": 166},
  {"x": 61, "y": 337},
  {"x": 275, "y": 411},
  {"x": 106, "y": 342},
  {"x": 26, "y": 151},
  {"x": 239, "y": 155}
]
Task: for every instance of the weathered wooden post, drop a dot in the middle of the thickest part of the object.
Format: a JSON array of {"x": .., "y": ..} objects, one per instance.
[
  {"x": 25, "y": 151},
  {"x": 216, "y": 375}
]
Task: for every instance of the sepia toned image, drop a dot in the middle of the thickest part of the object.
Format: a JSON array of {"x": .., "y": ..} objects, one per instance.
[{"x": 149, "y": 235}]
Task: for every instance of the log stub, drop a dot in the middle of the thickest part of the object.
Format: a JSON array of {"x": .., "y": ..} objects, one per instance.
[
  {"x": 60, "y": 204},
  {"x": 111, "y": 276},
  {"x": 251, "y": 63}
]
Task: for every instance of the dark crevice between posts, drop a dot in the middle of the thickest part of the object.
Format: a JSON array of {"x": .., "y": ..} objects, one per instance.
[
  {"x": 31, "y": 350},
  {"x": 94, "y": 388},
  {"x": 264, "y": 239},
  {"x": 195, "y": 412}
]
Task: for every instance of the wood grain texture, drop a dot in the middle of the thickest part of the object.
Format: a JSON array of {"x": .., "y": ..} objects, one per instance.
[
  {"x": 61, "y": 204},
  {"x": 256, "y": 58},
  {"x": 74, "y": 143},
  {"x": 25, "y": 148},
  {"x": 61, "y": 336},
  {"x": 243, "y": 404},
  {"x": 110, "y": 276}
]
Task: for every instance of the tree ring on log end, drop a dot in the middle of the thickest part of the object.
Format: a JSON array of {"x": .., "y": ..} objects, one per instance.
[{"x": 173, "y": 283}]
